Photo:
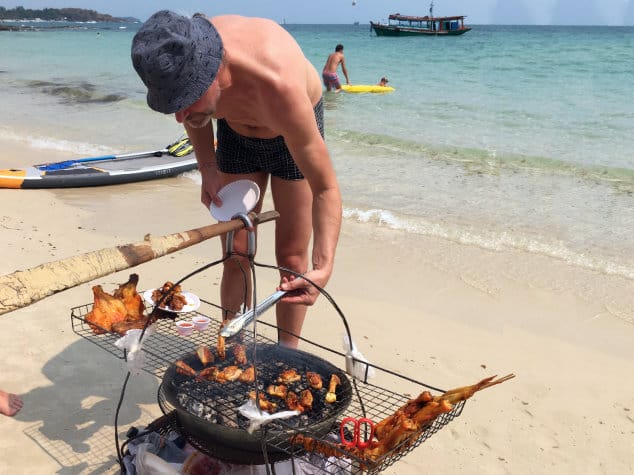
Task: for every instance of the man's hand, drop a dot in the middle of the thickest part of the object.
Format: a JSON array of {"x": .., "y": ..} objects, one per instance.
[{"x": 300, "y": 291}]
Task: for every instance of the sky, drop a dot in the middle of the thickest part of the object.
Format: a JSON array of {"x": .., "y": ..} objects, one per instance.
[{"x": 510, "y": 12}]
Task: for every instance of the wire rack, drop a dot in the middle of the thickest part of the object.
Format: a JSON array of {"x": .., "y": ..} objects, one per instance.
[{"x": 163, "y": 347}]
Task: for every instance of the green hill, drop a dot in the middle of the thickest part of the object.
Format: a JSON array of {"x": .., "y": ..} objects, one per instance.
[{"x": 57, "y": 14}]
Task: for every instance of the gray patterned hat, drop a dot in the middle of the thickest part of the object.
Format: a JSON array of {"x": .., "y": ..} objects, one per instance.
[{"x": 177, "y": 59}]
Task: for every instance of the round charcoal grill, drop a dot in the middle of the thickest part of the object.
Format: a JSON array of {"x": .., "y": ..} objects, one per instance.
[{"x": 208, "y": 411}]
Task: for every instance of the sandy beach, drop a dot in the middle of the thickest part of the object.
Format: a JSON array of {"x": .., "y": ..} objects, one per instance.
[{"x": 434, "y": 310}]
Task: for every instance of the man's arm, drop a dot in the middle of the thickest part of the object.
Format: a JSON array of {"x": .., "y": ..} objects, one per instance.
[
  {"x": 296, "y": 118},
  {"x": 343, "y": 69},
  {"x": 203, "y": 141}
]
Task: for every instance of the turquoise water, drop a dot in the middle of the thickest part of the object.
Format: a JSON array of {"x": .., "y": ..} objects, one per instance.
[{"x": 508, "y": 137}]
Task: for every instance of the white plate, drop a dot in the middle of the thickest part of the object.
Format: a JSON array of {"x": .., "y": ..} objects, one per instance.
[
  {"x": 237, "y": 197},
  {"x": 193, "y": 302}
]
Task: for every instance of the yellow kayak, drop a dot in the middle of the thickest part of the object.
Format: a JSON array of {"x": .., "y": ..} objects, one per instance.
[{"x": 366, "y": 88}]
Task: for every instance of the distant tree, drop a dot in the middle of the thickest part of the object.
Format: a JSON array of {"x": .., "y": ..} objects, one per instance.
[{"x": 55, "y": 14}]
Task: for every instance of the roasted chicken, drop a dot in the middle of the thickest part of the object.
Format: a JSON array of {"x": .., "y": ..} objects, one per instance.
[
  {"x": 106, "y": 311},
  {"x": 131, "y": 299}
]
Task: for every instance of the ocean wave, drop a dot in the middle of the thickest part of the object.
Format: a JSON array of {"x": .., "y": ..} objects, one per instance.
[
  {"x": 490, "y": 240},
  {"x": 56, "y": 144}
]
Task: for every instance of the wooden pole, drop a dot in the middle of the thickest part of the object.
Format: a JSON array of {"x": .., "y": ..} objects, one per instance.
[{"x": 22, "y": 288}]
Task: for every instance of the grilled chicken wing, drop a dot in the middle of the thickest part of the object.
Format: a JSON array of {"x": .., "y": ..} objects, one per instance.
[
  {"x": 230, "y": 373},
  {"x": 277, "y": 390},
  {"x": 248, "y": 375},
  {"x": 240, "y": 354},
  {"x": 289, "y": 376},
  {"x": 184, "y": 368},
  {"x": 331, "y": 395},
  {"x": 264, "y": 403},
  {"x": 209, "y": 373},
  {"x": 205, "y": 355},
  {"x": 314, "y": 380}
]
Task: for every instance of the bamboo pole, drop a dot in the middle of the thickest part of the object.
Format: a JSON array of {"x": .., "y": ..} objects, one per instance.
[{"x": 22, "y": 288}]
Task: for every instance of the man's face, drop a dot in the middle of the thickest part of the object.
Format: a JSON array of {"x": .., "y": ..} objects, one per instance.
[{"x": 200, "y": 112}]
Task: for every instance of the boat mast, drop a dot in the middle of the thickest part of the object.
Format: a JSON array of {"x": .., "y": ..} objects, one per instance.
[{"x": 431, "y": 9}]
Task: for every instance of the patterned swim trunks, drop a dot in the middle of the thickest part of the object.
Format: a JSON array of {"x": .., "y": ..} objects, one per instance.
[
  {"x": 236, "y": 153},
  {"x": 331, "y": 80}
]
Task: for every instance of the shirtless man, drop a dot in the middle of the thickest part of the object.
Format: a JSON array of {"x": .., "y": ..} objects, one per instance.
[
  {"x": 10, "y": 404},
  {"x": 329, "y": 73},
  {"x": 251, "y": 75}
]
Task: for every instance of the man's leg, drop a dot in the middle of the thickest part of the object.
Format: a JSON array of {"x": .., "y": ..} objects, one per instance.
[
  {"x": 236, "y": 269},
  {"x": 293, "y": 230}
]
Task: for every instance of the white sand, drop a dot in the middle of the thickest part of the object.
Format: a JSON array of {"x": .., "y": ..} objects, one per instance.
[{"x": 433, "y": 310}]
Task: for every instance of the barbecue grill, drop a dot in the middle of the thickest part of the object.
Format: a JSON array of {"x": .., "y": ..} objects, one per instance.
[
  {"x": 271, "y": 444},
  {"x": 209, "y": 411}
]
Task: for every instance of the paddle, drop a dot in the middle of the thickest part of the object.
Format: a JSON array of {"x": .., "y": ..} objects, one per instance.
[
  {"x": 179, "y": 148},
  {"x": 22, "y": 288}
]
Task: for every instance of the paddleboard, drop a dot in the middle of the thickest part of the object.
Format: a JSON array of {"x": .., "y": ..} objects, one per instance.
[
  {"x": 104, "y": 170},
  {"x": 360, "y": 88}
]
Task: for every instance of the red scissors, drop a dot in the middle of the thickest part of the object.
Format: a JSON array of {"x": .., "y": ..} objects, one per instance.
[{"x": 357, "y": 440}]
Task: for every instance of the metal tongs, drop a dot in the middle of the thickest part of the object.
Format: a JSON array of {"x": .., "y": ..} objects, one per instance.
[{"x": 235, "y": 326}]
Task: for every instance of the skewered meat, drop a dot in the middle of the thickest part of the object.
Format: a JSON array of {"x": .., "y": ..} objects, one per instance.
[
  {"x": 240, "y": 354},
  {"x": 131, "y": 299},
  {"x": 205, "y": 355},
  {"x": 314, "y": 380},
  {"x": 277, "y": 390},
  {"x": 315, "y": 445},
  {"x": 248, "y": 375},
  {"x": 289, "y": 376},
  {"x": 401, "y": 429},
  {"x": 462, "y": 394},
  {"x": 331, "y": 395},
  {"x": 184, "y": 368},
  {"x": 106, "y": 311}
]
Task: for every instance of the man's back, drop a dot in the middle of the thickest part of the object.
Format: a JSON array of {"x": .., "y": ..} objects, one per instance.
[{"x": 333, "y": 61}]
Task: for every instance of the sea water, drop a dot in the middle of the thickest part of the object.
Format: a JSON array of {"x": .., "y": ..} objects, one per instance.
[{"x": 507, "y": 137}]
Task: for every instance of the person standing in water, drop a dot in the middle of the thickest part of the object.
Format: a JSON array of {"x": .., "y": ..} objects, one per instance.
[{"x": 329, "y": 73}]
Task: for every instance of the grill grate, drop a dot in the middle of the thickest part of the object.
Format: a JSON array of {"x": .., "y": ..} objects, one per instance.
[{"x": 164, "y": 347}]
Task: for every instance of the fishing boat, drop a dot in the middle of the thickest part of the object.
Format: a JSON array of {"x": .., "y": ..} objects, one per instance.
[{"x": 406, "y": 25}]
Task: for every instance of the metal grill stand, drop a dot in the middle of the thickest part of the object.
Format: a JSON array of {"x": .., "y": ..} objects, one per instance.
[{"x": 164, "y": 347}]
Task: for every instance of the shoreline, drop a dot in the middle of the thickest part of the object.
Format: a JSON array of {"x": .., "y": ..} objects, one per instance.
[{"x": 431, "y": 309}]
